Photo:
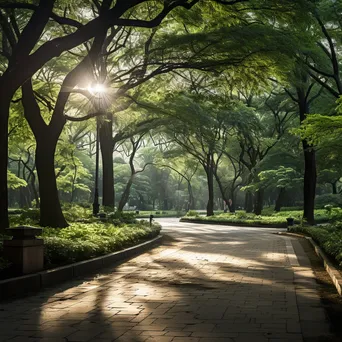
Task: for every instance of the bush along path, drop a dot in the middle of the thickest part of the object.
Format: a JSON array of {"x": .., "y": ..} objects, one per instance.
[
  {"x": 328, "y": 237},
  {"x": 83, "y": 241},
  {"x": 267, "y": 219}
]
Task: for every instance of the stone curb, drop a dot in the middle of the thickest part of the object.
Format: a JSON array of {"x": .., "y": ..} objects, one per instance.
[
  {"x": 334, "y": 274},
  {"x": 21, "y": 286},
  {"x": 291, "y": 234},
  {"x": 234, "y": 224}
]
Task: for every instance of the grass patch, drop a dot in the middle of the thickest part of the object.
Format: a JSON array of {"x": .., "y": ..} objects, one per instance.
[
  {"x": 83, "y": 241},
  {"x": 321, "y": 215},
  {"x": 328, "y": 237},
  {"x": 269, "y": 218}
]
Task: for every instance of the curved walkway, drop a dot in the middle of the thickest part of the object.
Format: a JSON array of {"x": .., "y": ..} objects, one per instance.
[{"x": 206, "y": 283}]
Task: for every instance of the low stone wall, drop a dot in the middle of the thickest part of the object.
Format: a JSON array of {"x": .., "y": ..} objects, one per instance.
[{"x": 22, "y": 286}]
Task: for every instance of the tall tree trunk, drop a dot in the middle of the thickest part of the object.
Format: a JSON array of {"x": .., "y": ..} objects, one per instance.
[
  {"x": 258, "y": 202},
  {"x": 50, "y": 208},
  {"x": 210, "y": 204},
  {"x": 46, "y": 139},
  {"x": 4, "y": 112},
  {"x": 232, "y": 206},
  {"x": 22, "y": 199},
  {"x": 280, "y": 199},
  {"x": 310, "y": 173},
  {"x": 191, "y": 204},
  {"x": 223, "y": 194},
  {"x": 125, "y": 195},
  {"x": 334, "y": 188},
  {"x": 248, "y": 202},
  {"x": 210, "y": 179},
  {"x": 310, "y": 176},
  {"x": 106, "y": 144},
  {"x": 32, "y": 184},
  {"x": 165, "y": 204},
  {"x": 27, "y": 197}
]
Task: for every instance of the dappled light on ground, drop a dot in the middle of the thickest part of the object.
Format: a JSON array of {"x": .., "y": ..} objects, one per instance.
[{"x": 196, "y": 288}]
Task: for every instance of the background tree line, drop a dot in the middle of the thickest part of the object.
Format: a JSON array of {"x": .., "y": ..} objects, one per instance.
[{"x": 206, "y": 102}]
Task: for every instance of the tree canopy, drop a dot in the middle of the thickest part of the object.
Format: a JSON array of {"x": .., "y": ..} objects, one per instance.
[{"x": 192, "y": 104}]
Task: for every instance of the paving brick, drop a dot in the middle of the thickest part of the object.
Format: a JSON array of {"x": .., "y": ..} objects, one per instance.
[{"x": 210, "y": 283}]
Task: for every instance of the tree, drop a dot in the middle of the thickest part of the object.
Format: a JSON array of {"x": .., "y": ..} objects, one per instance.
[
  {"x": 187, "y": 174},
  {"x": 235, "y": 181},
  {"x": 324, "y": 133},
  {"x": 259, "y": 130},
  {"x": 282, "y": 178},
  {"x": 302, "y": 90},
  {"x": 323, "y": 59},
  {"x": 201, "y": 129},
  {"x": 135, "y": 144},
  {"x": 22, "y": 63}
]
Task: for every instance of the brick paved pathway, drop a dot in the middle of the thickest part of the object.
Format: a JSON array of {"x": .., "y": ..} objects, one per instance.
[{"x": 206, "y": 283}]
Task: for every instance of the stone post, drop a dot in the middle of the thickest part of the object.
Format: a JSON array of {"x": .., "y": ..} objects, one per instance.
[{"x": 25, "y": 251}]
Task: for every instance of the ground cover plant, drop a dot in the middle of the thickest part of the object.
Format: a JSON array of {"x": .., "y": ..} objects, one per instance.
[
  {"x": 239, "y": 218},
  {"x": 268, "y": 217},
  {"x": 82, "y": 240},
  {"x": 328, "y": 237}
]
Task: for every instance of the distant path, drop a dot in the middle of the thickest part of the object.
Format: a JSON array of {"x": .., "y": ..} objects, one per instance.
[{"x": 206, "y": 283}]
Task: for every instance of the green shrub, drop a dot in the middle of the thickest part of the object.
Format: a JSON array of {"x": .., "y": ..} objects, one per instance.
[
  {"x": 30, "y": 215},
  {"x": 243, "y": 218},
  {"x": 86, "y": 205},
  {"x": 15, "y": 211},
  {"x": 107, "y": 209},
  {"x": 59, "y": 251},
  {"x": 296, "y": 208},
  {"x": 278, "y": 218},
  {"x": 269, "y": 211},
  {"x": 329, "y": 237},
  {"x": 122, "y": 217},
  {"x": 75, "y": 212},
  {"x": 323, "y": 200},
  {"x": 335, "y": 214},
  {"x": 83, "y": 241},
  {"x": 243, "y": 215},
  {"x": 193, "y": 213},
  {"x": 328, "y": 208}
]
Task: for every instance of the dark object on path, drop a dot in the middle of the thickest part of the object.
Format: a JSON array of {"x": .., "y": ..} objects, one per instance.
[
  {"x": 290, "y": 221},
  {"x": 151, "y": 219}
]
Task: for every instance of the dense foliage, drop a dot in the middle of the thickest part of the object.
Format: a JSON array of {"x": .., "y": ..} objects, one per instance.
[
  {"x": 268, "y": 218},
  {"x": 82, "y": 241},
  {"x": 168, "y": 105},
  {"x": 329, "y": 237}
]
